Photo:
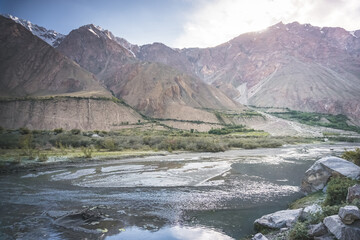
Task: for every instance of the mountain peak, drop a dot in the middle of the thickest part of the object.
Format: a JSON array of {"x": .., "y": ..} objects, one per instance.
[{"x": 51, "y": 37}]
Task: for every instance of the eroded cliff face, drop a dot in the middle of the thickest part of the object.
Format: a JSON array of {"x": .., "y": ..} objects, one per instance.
[{"x": 67, "y": 113}]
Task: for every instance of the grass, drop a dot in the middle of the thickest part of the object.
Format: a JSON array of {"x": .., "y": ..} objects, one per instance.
[
  {"x": 316, "y": 197},
  {"x": 318, "y": 119},
  {"x": 23, "y": 145}
]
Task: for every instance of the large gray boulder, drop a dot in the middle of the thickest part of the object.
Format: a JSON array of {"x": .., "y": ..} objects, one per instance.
[
  {"x": 341, "y": 230},
  {"x": 310, "y": 210},
  {"x": 317, "y": 230},
  {"x": 349, "y": 214},
  {"x": 353, "y": 193},
  {"x": 277, "y": 220},
  {"x": 317, "y": 176}
]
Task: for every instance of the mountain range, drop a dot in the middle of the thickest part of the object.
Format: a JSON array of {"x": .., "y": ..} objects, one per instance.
[{"x": 295, "y": 66}]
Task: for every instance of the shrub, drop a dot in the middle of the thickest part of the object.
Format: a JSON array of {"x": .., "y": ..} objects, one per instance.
[
  {"x": 61, "y": 147},
  {"x": 337, "y": 190},
  {"x": 87, "y": 151},
  {"x": 42, "y": 157},
  {"x": 58, "y": 130},
  {"x": 75, "y": 131},
  {"x": 109, "y": 144},
  {"x": 353, "y": 156},
  {"x": 26, "y": 144},
  {"x": 24, "y": 130},
  {"x": 299, "y": 232}
]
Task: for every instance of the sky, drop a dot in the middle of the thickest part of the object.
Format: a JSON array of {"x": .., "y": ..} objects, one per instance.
[{"x": 183, "y": 23}]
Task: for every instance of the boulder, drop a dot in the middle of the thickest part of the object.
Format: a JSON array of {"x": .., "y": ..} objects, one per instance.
[
  {"x": 80, "y": 220},
  {"x": 349, "y": 214},
  {"x": 259, "y": 236},
  {"x": 277, "y": 220},
  {"x": 317, "y": 230},
  {"x": 353, "y": 193},
  {"x": 341, "y": 230},
  {"x": 320, "y": 172},
  {"x": 328, "y": 236},
  {"x": 310, "y": 210}
]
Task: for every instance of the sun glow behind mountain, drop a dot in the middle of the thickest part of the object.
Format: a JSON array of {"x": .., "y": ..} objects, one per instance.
[
  {"x": 215, "y": 22},
  {"x": 184, "y": 23}
]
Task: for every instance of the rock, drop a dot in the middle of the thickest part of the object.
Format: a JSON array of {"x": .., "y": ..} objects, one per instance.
[
  {"x": 341, "y": 230},
  {"x": 349, "y": 214},
  {"x": 95, "y": 135},
  {"x": 319, "y": 173},
  {"x": 353, "y": 193},
  {"x": 328, "y": 236},
  {"x": 317, "y": 230},
  {"x": 310, "y": 210},
  {"x": 78, "y": 220},
  {"x": 277, "y": 220},
  {"x": 259, "y": 236}
]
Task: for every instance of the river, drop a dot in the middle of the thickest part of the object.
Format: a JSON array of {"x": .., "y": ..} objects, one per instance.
[{"x": 179, "y": 196}]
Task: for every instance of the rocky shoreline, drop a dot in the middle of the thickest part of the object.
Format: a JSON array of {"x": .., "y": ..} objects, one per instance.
[{"x": 345, "y": 225}]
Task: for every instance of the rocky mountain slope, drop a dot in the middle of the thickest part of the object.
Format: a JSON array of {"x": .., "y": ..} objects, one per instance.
[
  {"x": 301, "y": 67},
  {"x": 43, "y": 89},
  {"x": 30, "y": 67},
  {"x": 52, "y": 37},
  {"x": 155, "y": 89}
]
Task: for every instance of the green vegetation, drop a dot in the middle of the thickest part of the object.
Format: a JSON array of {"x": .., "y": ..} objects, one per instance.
[
  {"x": 318, "y": 119},
  {"x": 316, "y": 197},
  {"x": 87, "y": 151},
  {"x": 299, "y": 231},
  {"x": 353, "y": 156},
  {"x": 337, "y": 190},
  {"x": 230, "y": 129},
  {"x": 40, "y": 145}
]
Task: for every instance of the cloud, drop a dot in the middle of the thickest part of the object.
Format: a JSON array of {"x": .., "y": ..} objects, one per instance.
[{"x": 217, "y": 21}]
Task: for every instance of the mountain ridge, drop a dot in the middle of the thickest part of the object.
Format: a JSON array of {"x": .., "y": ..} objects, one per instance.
[{"x": 152, "y": 88}]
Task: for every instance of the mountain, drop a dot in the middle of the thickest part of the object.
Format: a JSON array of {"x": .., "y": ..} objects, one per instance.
[
  {"x": 43, "y": 89},
  {"x": 155, "y": 89},
  {"x": 301, "y": 67},
  {"x": 49, "y": 36},
  {"x": 30, "y": 67}
]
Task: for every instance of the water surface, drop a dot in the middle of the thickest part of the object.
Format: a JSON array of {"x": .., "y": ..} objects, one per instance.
[{"x": 183, "y": 196}]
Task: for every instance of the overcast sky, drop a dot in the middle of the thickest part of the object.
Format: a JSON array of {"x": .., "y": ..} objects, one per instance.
[{"x": 183, "y": 23}]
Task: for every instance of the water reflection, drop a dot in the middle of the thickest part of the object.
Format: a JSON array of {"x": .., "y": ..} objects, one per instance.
[
  {"x": 171, "y": 233},
  {"x": 184, "y": 196}
]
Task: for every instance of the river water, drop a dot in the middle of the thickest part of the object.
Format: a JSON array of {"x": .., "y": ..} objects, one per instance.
[{"x": 179, "y": 196}]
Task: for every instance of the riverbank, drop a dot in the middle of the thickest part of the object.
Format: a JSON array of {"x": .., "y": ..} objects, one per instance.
[
  {"x": 24, "y": 148},
  {"x": 329, "y": 211},
  {"x": 56, "y": 159}
]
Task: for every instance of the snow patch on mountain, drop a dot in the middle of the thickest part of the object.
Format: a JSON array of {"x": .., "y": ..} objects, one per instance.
[{"x": 51, "y": 37}]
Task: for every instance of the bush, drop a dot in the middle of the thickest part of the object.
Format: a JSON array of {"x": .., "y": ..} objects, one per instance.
[
  {"x": 42, "y": 157},
  {"x": 24, "y": 131},
  {"x": 299, "y": 232},
  {"x": 58, "y": 130},
  {"x": 337, "y": 190},
  {"x": 87, "y": 151},
  {"x": 109, "y": 144},
  {"x": 75, "y": 131},
  {"x": 353, "y": 156}
]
